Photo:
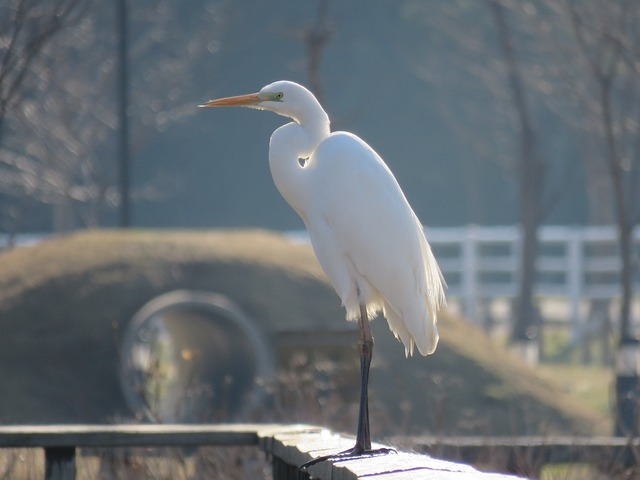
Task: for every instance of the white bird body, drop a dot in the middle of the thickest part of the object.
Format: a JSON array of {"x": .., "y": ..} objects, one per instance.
[{"x": 363, "y": 231}]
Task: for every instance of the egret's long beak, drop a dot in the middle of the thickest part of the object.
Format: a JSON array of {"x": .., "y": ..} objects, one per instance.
[{"x": 239, "y": 101}]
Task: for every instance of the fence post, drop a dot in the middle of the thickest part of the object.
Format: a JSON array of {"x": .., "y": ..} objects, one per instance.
[
  {"x": 627, "y": 387},
  {"x": 60, "y": 463},
  {"x": 470, "y": 273},
  {"x": 575, "y": 281}
]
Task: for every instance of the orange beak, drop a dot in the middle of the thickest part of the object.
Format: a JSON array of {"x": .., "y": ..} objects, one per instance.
[{"x": 239, "y": 101}]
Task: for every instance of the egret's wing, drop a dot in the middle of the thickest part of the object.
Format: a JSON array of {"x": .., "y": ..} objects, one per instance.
[{"x": 361, "y": 218}]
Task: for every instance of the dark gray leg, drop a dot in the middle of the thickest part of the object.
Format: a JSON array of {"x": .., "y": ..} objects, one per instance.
[
  {"x": 363, "y": 435},
  {"x": 365, "y": 347}
]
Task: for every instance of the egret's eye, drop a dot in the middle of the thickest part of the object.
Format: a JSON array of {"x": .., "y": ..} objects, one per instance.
[{"x": 279, "y": 96}]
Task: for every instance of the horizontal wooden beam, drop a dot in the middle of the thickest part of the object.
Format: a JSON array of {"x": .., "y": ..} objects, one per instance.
[
  {"x": 289, "y": 446},
  {"x": 532, "y": 450},
  {"x": 134, "y": 435},
  {"x": 533, "y": 441}
]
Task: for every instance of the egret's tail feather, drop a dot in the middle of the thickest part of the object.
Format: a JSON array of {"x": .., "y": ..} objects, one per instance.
[
  {"x": 424, "y": 337},
  {"x": 398, "y": 328}
]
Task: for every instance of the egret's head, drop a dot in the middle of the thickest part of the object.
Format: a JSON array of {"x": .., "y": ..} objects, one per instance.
[{"x": 284, "y": 98}]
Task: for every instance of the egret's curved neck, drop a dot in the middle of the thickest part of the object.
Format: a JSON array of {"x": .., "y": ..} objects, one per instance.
[{"x": 290, "y": 143}]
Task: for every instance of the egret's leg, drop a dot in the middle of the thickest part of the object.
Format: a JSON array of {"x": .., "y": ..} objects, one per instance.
[
  {"x": 365, "y": 347},
  {"x": 363, "y": 435}
]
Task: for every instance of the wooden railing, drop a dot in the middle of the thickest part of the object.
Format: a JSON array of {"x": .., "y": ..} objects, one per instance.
[{"x": 288, "y": 446}]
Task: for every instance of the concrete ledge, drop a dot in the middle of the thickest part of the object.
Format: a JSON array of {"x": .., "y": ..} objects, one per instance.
[{"x": 298, "y": 447}]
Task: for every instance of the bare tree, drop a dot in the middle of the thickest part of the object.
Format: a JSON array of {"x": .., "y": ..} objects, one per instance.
[
  {"x": 503, "y": 65},
  {"x": 26, "y": 28},
  {"x": 604, "y": 72},
  {"x": 316, "y": 38},
  {"x": 531, "y": 178},
  {"x": 61, "y": 146},
  {"x": 606, "y": 81}
]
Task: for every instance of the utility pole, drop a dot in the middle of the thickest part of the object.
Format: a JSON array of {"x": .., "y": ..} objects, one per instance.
[{"x": 123, "y": 119}]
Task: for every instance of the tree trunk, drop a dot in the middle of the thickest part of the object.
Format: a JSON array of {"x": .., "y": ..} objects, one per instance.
[
  {"x": 623, "y": 218},
  {"x": 627, "y": 364},
  {"x": 599, "y": 193},
  {"x": 626, "y": 279},
  {"x": 531, "y": 178}
]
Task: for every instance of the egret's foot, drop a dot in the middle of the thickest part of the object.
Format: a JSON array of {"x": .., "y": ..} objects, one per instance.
[{"x": 355, "y": 452}]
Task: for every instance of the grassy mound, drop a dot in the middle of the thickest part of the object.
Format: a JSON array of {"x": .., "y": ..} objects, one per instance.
[{"x": 63, "y": 304}]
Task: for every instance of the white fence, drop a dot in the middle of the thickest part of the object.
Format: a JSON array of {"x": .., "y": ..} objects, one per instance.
[
  {"x": 577, "y": 264},
  {"x": 481, "y": 264}
]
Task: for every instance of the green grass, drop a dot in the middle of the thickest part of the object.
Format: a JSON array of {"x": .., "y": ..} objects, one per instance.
[
  {"x": 571, "y": 471},
  {"x": 591, "y": 385}
]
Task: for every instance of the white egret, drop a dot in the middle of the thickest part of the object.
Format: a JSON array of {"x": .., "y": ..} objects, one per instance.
[{"x": 367, "y": 238}]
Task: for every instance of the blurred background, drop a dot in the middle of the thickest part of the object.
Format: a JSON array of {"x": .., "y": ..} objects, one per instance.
[
  {"x": 447, "y": 92},
  {"x": 511, "y": 125}
]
